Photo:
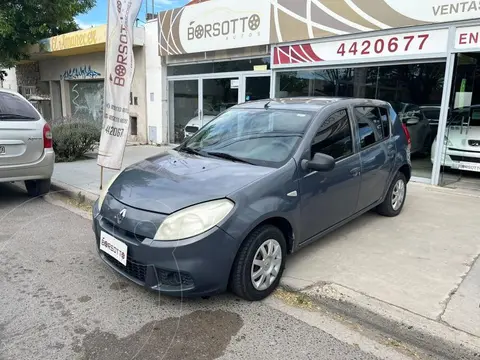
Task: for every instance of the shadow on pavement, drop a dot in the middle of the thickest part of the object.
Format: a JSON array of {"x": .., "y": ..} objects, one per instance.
[{"x": 12, "y": 194}]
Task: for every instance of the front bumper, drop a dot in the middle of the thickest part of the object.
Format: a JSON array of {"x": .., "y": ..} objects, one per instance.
[
  {"x": 458, "y": 159},
  {"x": 197, "y": 266}
]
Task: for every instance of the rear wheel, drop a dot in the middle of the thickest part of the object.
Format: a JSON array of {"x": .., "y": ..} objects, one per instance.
[
  {"x": 37, "y": 187},
  {"x": 395, "y": 199},
  {"x": 259, "y": 264}
]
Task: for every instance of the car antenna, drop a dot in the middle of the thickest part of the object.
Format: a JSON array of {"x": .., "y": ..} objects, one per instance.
[{"x": 266, "y": 105}]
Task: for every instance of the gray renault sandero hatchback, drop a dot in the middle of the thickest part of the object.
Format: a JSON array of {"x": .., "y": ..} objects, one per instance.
[{"x": 260, "y": 181}]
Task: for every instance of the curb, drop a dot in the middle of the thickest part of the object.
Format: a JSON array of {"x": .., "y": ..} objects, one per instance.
[
  {"x": 73, "y": 192},
  {"x": 432, "y": 336}
]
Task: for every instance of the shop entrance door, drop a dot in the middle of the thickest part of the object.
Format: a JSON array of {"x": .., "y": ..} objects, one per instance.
[
  {"x": 255, "y": 87},
  {"x": 460, "y": 158},
  {"x": 218, "y": 94}
]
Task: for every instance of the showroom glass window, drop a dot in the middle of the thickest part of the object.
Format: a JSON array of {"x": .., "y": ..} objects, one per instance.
[
  {"x": 334, "y": 137},
  {"x": 406, "y": 86}
]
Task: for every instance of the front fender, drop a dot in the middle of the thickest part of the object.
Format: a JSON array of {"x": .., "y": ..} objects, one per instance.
[{"x": 250, "y": 216}]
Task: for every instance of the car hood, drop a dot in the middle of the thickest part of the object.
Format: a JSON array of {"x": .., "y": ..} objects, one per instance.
[
  {"x": 459, "y": 136},
  {"x": 173, "y": 180}
]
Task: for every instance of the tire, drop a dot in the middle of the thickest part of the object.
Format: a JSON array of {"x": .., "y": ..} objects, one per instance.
[
  {"x": 37, "y": 188},
  {"x": 241, "y": 282},
  {"x": 387, "y": 208}
]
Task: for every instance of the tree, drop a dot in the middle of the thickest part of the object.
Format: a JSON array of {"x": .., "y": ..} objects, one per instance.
[{"x": 26, "y": 22}]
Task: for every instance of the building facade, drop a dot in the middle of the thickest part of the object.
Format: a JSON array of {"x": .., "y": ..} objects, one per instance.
[
  {"x": 421, "y": 56},
  {"x": 66, "y": 76}
]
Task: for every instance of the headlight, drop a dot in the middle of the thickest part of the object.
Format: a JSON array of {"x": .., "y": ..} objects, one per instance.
[
  {"x": 193, "y": 220},
  {"x": 447, "y": 142},
  {"x": 104, "y": 191}
]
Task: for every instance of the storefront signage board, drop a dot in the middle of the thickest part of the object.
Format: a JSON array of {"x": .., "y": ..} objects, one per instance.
[
  {"x": 297, "y": 20},
  {"x": 76, "y": 39},
  {"x": 467, "y": 38},
  {"x": 363, "y": 49},
  {"x": 213, "y": 25}
]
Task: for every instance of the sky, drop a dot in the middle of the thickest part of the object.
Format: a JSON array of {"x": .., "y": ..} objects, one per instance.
[{"x": 98, "y": 15}]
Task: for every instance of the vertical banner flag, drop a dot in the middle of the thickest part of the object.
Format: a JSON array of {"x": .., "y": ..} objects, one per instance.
[{"x": 119, "y": 69}]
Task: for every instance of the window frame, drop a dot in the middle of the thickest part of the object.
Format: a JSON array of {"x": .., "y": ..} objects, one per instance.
[
  {"x": 357, "y": 127},
  {"x": 352, "y": 134},
  {"x": 389, "y": 122}
]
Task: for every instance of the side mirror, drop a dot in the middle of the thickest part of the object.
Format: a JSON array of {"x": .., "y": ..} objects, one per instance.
[
  {"x": 413, "y": 121},
  {"x": 320, "y": 162}
]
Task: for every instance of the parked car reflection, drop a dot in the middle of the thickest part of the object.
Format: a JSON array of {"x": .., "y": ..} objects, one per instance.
[{"x": 418, "y": 126}]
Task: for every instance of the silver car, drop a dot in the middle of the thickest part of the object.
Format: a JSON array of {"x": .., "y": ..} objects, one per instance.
[{"x": 26, "y": 144}]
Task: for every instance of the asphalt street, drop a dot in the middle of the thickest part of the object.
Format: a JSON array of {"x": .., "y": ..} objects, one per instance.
[{"x": 59, "y": 301}]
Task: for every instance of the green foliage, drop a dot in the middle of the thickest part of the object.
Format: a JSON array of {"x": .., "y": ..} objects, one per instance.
[
  {"x": 72, "y": 140},
  {"x": 26, "y": 22}
]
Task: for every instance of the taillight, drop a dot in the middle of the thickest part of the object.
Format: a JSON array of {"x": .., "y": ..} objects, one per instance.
[
  {"x": 47, "y": 137},
  {"x": 407, "y": 134}
]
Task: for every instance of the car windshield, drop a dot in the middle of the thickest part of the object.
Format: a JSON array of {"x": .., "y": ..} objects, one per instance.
[
  {"x": 264, "y": 137},
  {"x": 13, "y": 107},
  {"x": 465, "y": 117}
]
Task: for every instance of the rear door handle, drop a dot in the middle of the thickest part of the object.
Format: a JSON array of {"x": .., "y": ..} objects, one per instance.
[{"x": 355, "y": 171}]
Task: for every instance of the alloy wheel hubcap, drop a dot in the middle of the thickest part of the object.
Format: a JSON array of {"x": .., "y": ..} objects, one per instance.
[
  {"x": 398, "y": 194},
  {"x": 266, "y": 264}
]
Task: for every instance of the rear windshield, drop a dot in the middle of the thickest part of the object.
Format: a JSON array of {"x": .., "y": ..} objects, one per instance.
[
  {"x": 432, "y": 114},
  {"x": 14, "y": 108}
]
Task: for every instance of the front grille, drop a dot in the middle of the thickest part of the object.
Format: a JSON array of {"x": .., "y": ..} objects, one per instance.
[
  {"x": 133, "y": 268},
  {"x": 114, "y": 229},
  {"x": 474, "y": 142},
  {"x": 139, "y": 271},
  {"x": 191, "y": 129},
  {"x": 465, "y": 158}
]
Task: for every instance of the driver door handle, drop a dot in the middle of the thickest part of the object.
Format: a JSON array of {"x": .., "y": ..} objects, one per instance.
[{"x": 355, "y": 171}]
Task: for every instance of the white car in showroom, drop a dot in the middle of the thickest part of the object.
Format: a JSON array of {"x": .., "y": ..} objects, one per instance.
[
  {"x": 195, "y": 124},
  {"x": 462, "y": 140}
]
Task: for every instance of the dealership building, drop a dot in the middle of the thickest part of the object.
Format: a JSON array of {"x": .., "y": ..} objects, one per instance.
[
  {"x": 193, "y": 62},
  {"x": 65, "y": 76},
  {"x": 422, "y": 56}
]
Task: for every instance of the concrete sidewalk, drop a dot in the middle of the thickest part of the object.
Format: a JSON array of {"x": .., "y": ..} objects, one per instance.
[
  {"x": 84, "y": 176},
  {"x": 419, "y": 269}
]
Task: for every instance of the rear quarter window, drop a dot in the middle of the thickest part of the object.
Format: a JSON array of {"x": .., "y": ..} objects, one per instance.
[{"x": 15, "y": 108}]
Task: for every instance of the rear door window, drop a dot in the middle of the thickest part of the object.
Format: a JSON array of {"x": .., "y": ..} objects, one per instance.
[
  {"x": 369, "y": 124},
  {"x": 15, "y": 108}
]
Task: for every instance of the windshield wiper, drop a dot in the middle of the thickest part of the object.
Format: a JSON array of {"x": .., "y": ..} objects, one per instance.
[
  {"x": 228, "y": 157},
  {"x": 16, "y": 116},
  {"x": 190, "y": 150}
]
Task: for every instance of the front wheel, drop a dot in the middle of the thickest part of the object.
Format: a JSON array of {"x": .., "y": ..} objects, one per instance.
[
  {"x": 259, "y": 264},
  {"x": 395, "y": 199}
]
